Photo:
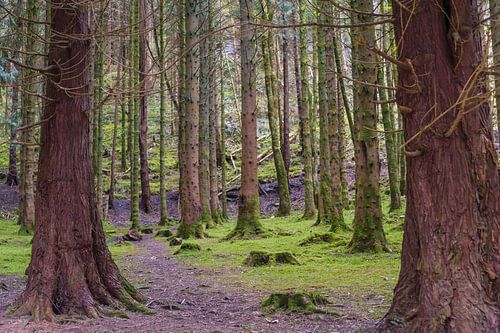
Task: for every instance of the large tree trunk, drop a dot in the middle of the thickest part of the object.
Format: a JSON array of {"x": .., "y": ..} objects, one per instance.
[
  {"x": 143, "y": 102},
  {"x": 450, "y": 270},
  {"x": 71, "y": 270},
  {"x": 368, "y": 231},
  {"x": 191, "y": 207},
  {"x": 248, "y": 223}
]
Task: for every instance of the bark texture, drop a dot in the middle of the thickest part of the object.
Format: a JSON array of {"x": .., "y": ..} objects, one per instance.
[
  {"x": 145, "y": 204},
  {"x": 191, "y": 206},
  {"x": 450, "y": 273},
  {"x": 248, "y": 200},
  {"x": 368, "y": 231},
  {"x": 71, "y": 270}
]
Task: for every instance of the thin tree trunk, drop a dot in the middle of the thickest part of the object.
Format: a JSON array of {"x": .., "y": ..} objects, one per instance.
[
  {"x": 248, "y": 223},
  {"x": 267, "y": 47},
  {"x": 450, "y": 273},
  {"x": 163, "y": 141},
  {"x": 111, "y": 191},
  {"x": 134, "y": 115},
  {"x": 204, "y": 150},
  {"x": 71, "y": 270},
  {"x": 223, "y": 141},
  {"x": 191, "y": 208},
  {"x": 28, "y": 107},
  {"x": 307, "y": 154},
  {"x": 390, "y": 145},
  {"x": 145, "y": 204},
  {"x": 12, "y": 179},
  {"x": 285, "y": 144},
  {"x": 368, "y": 231}
]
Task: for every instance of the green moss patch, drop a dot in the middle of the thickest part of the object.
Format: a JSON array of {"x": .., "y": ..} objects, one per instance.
[
  {"x": 186, "y": 247},
  {"x": 164, "y": 233},
  {"x": 328, "y": 237},
  {"x": 306, "y": 302}
]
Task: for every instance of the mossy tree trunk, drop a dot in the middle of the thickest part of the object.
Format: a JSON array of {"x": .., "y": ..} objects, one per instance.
[
  {"x": 181, "y": 100},
  {"x": 248, "y": 223},
  {"x": 163, "y": 122},
  {"x": 191, "y": 218},
  {"x": 267, "y": 47},
  {"x": 333, "y": 131},
  {"x": 309, "y": 202},
  {"x": 28, "y": 110},
  {"x": 71, "y": 272},
  {"x": 285, "y": 144},
  {"x": 390, "y": 144},
  {"x": 134, "y": 55},
  {"x": 112, "y": 175},
  {"x": 368, "y": 230},
  {"x": 123, "y": 86},
  {"x": 450, "y": 273}
]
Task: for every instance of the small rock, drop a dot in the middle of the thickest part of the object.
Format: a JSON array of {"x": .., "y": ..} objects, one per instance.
[
  {"x": 3, "y": 286},
  {"x": 164, "y": 233}
]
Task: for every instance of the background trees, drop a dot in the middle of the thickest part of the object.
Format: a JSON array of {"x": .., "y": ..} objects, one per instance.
[{"x": 193, "y": 98}]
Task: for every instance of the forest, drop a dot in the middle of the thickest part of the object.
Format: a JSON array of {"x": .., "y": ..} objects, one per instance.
[{"x": 212, "y": 166}]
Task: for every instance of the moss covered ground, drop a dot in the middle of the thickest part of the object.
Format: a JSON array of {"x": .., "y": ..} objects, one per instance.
[
  {"x": 15, "y": 250},
  {"x": 324, "y": 266}
]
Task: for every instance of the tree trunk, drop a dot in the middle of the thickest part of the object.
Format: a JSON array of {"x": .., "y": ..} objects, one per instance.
[
  {"x": 285, "y": 145},
  {"x": 307, "y": 155},
  {"x": 134, "y": 56},
  {"x": 163, "y": 124},
  {"x": 191, "y": 207},
  {"x": 71, "y": 270},
  {"x": 223, "y": 140},
  {"x": 215, "y": 210},
  {"x": 28, "y": 106},
  {"x": 267, "y": 47},
  {"x": 368, "y": 231},
  {"x": 298, "y": 80},
  {"x": 450, "y": 270},
  {"x": 111, "y": 191},
  {"x": 12, "y": 179},
  {"x": 145, "y": 204},
  {"x": 390, "y": 145},
  {"x": 248, "y": 223},
  {"x": 204, "y": 150}
]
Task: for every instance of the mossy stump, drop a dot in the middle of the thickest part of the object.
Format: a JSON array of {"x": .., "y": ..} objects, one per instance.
[
  {"x": 175, "y": 241},
  {"x": 147, "y": 230},
  {"x": 185, "y": 247},
  {"x": 164, "y": 233},
  {"x": 328, "y": 237},
  {"x": 284, "y": 258},
  {"x": 258, "y": 258},
  {"x": 305, "y": 302},
  {"x": 262, "y": 258}
]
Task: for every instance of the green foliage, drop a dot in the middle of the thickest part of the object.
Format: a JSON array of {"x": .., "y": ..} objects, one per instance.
[{"x": 15, "y": 249}]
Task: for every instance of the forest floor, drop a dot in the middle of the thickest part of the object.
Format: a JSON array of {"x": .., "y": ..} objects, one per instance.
[{"x": 210, "y": 292}]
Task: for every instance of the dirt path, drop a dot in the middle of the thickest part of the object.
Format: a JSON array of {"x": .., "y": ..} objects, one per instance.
[{"x": 185, "y": 299}]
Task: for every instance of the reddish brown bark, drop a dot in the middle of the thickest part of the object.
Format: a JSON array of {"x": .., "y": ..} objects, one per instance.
[
  {"x": 71, "y": 269},
  {"x": 450, "y": 273}
]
